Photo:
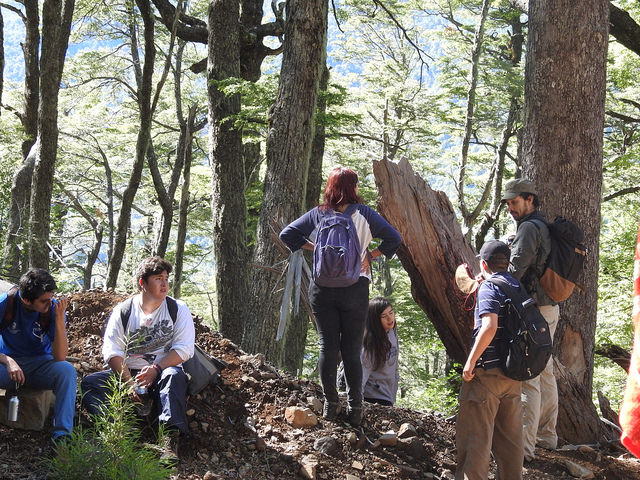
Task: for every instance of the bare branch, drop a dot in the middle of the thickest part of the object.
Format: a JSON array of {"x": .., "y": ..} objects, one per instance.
[{"x": 620, "y": 193}]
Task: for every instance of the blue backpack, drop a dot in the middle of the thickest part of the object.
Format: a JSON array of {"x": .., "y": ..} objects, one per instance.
[{"x": 337, "y": 254}]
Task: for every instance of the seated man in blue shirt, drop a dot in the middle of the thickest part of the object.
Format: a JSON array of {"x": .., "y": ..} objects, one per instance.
[
  {"x": 490, "y": 415},
  {"x": 33, "y": 345}
]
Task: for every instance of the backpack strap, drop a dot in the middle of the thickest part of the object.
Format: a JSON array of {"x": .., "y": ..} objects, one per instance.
[
  {"x": 125, "y": 310},
  {"x": 10, "y": 308}
]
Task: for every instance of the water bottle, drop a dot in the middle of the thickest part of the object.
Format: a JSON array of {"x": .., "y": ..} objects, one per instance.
[
  {"x": 145, "y": 408},
  {"x": 12, "y": 411}
]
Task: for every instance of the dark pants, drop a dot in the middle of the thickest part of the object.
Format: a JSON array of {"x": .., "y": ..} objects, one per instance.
[
  {"x": 168, "y": 392},
  {"x": 340, "y": 315}
]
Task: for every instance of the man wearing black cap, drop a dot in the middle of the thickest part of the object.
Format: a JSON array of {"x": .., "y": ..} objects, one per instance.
[
  {"x": 529, "y": 252},
  {"x": 490, "y": 415}
]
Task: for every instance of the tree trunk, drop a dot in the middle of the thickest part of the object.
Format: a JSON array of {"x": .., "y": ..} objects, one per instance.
[
  {"x": 432, "y": 248},
  {"x": 14, "y": 261},
  {"x": 288, "y": 151},
  {"x": 562, "y": 154},
  {"x": 56, "y": 27},
  {"x": 228, "y": 206},
  {"x": 15, "y": 253},
  {"x": 31, "y": 49},
  {"x": 184, "y": 203},
  {"x": 142, "y": 142}
]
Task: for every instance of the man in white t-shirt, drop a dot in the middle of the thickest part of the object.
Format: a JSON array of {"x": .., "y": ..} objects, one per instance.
[{"x": 146, "y": 348}]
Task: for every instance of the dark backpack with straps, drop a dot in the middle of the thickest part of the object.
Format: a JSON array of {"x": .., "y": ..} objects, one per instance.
[
  {"x": 10, "y": 310},
  {"x": 526, "y": 333},
  {"x": 202, "y": 369},
  {"x": 566, "y": 258}
]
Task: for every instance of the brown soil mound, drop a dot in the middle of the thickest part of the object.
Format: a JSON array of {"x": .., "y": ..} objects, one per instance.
[{"x": 239, "y": 428}]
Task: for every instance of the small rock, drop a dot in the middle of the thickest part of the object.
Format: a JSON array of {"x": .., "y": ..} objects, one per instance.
[
  {"x": 191, "y": 412},
  {"x": 585, "y": 449},
  {"x": 261, "y": 445},
  {"x": 578, "y": 471},
  {"x": 210, "y": 476},
  {"x": 315, "y": 404},
  {"x": 308, "y": 467},
  {"x": 357, "y": 465},
  {"x": 389, "y": 439},
  {"x": 204, "y": 426},
  {"x": 193, "y": 425},
  {"x": 327, "y": 445},
  {"x": 407, "y": 431},
  {"x": 351, "y": 477},
  {"x": 352, "y": 438},
  {"x": 299, "y": 417}
]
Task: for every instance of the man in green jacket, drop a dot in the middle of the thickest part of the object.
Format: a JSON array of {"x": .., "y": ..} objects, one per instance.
[{"x": 529, "y": 252}]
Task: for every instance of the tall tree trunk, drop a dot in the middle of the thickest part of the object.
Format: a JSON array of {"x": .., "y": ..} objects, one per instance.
[
  {"x": 15, "y": 253},
  {"x": 288, "y": 150},
  {"x": 228, "y": 204},
  {"x": 56, "y": 27},
  {"x": 142, "y": 142},
  {"x": 295, "y": 336},
  {"x": 30, "y": 50},
  {"x": 562, "y": 147},
  {"x": 184, "y": 203}
]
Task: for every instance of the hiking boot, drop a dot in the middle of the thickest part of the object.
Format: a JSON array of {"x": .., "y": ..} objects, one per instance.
[
  {"x": 330, "y": 410},
  {"x": 354, "y": 416},
  {"x": 169, "y": 449}
]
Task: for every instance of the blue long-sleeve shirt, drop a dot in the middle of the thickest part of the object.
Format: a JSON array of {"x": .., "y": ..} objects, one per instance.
[{"x": 369, "y": 225}]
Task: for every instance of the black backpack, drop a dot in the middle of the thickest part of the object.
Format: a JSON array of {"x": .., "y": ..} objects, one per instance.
[
  {"x": 565, "y": 261},
  {"x": 202, "y": 369},
  {"x": 10, "y": 310},
  {"x": 527, "y": 336}
]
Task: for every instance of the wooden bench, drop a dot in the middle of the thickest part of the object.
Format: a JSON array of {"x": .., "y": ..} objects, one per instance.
[{"x": 36, "y": 407}]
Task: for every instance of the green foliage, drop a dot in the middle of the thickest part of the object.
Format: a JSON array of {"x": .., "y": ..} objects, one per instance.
[{"x": 113, "y": 449}]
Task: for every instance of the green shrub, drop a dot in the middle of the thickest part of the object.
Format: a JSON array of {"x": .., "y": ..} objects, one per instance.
[{"x": 112, "y": 449}]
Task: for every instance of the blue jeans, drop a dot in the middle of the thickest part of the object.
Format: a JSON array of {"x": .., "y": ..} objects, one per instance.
[
  {"x": 340, "y": 315},
  {"x": 42, "y": 372},
  {"x": 168, "y": 392}
]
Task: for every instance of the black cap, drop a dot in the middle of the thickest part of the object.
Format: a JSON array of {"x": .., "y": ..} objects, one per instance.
[{"x": 494, "y": 248}]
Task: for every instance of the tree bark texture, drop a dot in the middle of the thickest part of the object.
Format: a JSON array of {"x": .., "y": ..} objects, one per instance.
[
  {"x": 188, "y": 125},
  {"x": 15, "y": 253},
  {"x": 56, "y": 27},
  {"x": 142, "y": 142},
  {"x": 288, "y": 151},
  {"x": 432, "y": 248},
  {"x": 562, "y": 154},
  {"x": 30, "y": 50},
  {"x": 228, "y": 204}
]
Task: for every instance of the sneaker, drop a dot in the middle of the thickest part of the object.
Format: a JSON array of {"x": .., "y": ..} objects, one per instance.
[
  {"x": 354, "y": 416},
  {"x": 330, "y": 410}
]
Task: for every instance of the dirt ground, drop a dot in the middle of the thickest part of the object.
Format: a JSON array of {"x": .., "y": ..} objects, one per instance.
[{"x": 238, "y": 428}]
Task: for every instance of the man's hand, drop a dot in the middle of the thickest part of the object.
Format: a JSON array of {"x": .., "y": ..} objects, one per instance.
[
  {"x": 61, "y": 307},
  {"x": 468, "y": 371},
  {"x": 146, "y": 376},
  {"x": 13, "y": 369}
]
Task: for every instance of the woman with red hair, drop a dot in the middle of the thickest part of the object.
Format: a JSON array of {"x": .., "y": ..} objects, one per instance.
[{"x": 340, "y": 306}]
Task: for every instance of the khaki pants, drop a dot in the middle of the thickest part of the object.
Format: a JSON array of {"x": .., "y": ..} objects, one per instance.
[
  {"x": 540, "y": 399},
  {"x": 489, "y": 420}
]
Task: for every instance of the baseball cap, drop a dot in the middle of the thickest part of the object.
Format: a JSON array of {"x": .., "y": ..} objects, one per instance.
[
  {"x": 494, "y": 248},
  {"x": 513, "y": 188}
]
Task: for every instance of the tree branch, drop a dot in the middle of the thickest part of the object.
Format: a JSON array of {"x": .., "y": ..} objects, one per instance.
[
  {"x": 620, "y": 193},
  {"x": 624, "y": 28}
]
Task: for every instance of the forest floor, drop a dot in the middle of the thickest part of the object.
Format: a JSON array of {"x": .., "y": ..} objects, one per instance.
[{"x": 239, "y": 430}]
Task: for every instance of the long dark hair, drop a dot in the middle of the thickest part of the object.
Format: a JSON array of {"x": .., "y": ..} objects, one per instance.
[
  {"x": 376, "y": 343},
  {"x": 341, "y": 188}
]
